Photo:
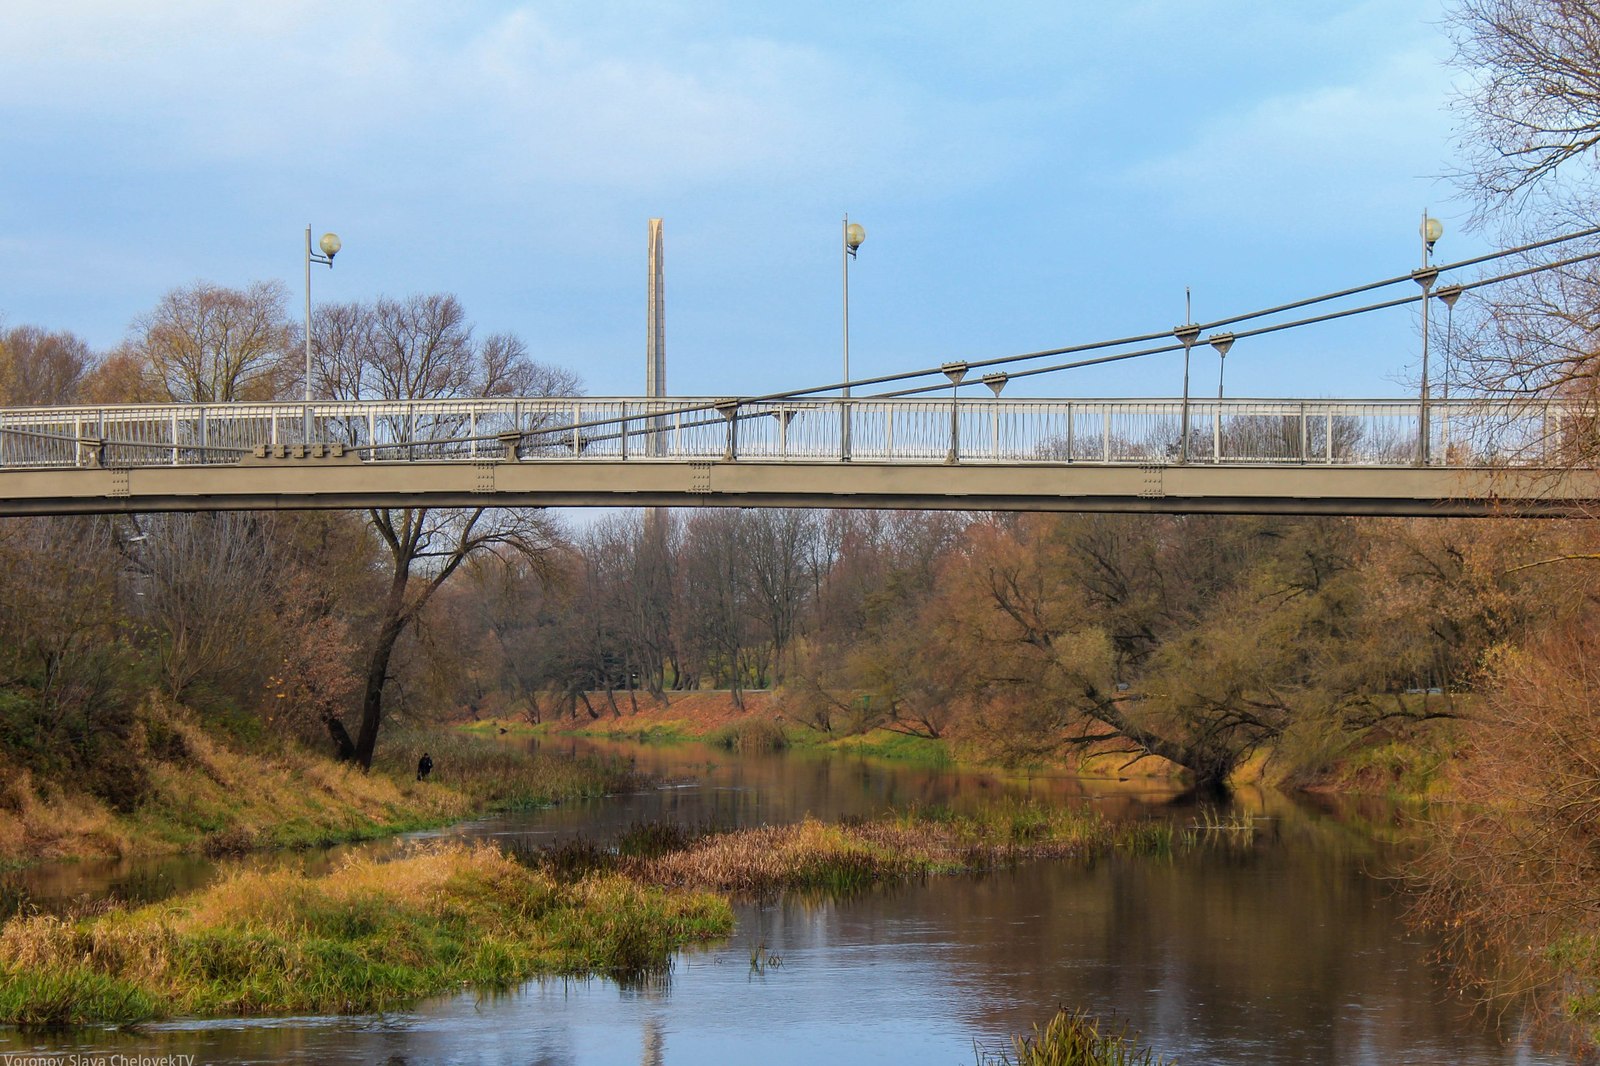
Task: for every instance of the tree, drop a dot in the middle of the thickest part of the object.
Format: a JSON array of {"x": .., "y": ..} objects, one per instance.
[
  {"x": 422, "y": 348},
  {"x": 66, "y": 702},
  {"x": 208, "y": 587},
  {"x": 1531, "y": 122},
  {"x": 1509, "y": 873},
  {"x": 1533, "y": 107},
  {"x": 774, "y": 545},
  {"x": 210, "y": 344},
  {"x": 41, "y": 368}
]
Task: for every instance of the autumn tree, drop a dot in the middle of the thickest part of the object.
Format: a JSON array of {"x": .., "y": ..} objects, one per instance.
[
  {"x": 423, "y": 348},
  {"x": 775, "y": 544},
  {"x": 1508, "y": 875},
  {"x": 67, "y": 701},
  {"x": 205, "y": 343},
  {"x": 206, "y": 580},
  {"x": 42, "y": 368},
  {"x": 1530, "y": 111}
]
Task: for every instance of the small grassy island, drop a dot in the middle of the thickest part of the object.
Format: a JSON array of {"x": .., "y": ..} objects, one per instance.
[
  {"x": 377, "y": 935},
  {"x": 369, "y": 936}
]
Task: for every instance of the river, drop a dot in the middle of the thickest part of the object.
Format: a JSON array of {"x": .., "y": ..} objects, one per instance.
[{"x": 1286, "y": 945}]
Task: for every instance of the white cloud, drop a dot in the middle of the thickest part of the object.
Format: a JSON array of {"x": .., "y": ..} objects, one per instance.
[
  {"x": 480, "y": 94},
  {"x": 1315, "y": 157}
]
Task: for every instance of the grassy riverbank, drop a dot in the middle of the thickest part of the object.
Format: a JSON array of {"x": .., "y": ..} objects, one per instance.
[
  {"x": 1410, "y": 762},
  {"x": 207, "y": 792},
  {"x": 370, "y": 936}
]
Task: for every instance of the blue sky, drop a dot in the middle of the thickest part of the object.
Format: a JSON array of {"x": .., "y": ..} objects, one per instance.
[{"x": 1031, "y": 175}]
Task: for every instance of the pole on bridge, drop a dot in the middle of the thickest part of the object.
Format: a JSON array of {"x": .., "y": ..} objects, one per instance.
[
  {"x": 330, "y": 247},
  {"x": 1187, "y": 334},
  {"x": 955, "y": 372},
  {"x": 1430, "y": 230},
  {"x": 1222, "y": 342},
  {"x": 854, "y": 235}
]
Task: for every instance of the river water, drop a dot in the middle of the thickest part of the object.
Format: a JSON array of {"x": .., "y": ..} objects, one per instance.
[{"x": 1287, "y": 945}]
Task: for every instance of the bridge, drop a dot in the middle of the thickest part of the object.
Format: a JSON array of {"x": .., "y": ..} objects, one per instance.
[
  {"x": 902, "y": 449},
  {"x": 1358, "y": 457}
]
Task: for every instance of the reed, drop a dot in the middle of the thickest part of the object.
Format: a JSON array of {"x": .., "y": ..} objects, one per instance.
[
  {"x": 852, "y": 855},
  {"x": 1073, "y": 1038},
  {"x": 369, "y": 936},
  {"x": 1235, "y": 823},
  {"x": 1146, "y": 838},
  {"x": 750, "y": 736},
  {"x": 498, "y": 776}
]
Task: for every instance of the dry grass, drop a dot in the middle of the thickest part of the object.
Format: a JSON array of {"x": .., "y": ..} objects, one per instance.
[
  {"x": 41, "y": 822},
  {"x": 848, "y": 856},
  {"x": 370, "y": 936},
  {"x": 209, "y": 796}
]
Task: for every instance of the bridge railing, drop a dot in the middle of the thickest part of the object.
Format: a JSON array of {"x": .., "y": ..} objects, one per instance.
[{"x": 968, "y": 430}]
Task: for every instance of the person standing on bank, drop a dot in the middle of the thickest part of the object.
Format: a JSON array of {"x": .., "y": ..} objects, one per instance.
[{"x": 424, "y": 767}]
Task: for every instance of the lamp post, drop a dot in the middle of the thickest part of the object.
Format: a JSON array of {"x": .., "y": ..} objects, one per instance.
[
  {"x": 1430, "y": 231},
  {"x": 854, "y": 235},
  {"x": 330, "y": 247},
  {"x": 955, "y": 372},
  {"x": 1187, "y": 334},
  {"x": 1222, "y": 342}
]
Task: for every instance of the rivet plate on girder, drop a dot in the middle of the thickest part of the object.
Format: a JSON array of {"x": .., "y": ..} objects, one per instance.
[{"x": 1154, "y": 487}]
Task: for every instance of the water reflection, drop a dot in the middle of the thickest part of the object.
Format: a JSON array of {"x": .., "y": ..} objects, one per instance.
[{"x": 1278, "y": 946}]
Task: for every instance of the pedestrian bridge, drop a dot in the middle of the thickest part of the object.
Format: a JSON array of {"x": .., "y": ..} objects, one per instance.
[{"x": 1379, "y": 457}]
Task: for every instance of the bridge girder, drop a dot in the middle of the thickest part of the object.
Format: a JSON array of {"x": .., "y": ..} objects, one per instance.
[{"x": 1195, "y": 488}]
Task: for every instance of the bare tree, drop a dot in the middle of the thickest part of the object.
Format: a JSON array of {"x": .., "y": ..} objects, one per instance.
[
  {"x": 774, "y": 545},
  {"x": 422, "y": 348},
  {"x": 210, "y": 344},
  {"x": 1533, "y": 104},
  {"x": 1531, "y": 111},
  {"x": 208, "y": 587},
  {"x": 37, "y": 367}
]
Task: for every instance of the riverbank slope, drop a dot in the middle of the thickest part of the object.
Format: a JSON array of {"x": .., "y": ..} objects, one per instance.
[{"x": 201, "y": 790}]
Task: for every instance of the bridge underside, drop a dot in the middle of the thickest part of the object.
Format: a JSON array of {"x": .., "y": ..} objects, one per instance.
[{"x": 1197, "y": 488}]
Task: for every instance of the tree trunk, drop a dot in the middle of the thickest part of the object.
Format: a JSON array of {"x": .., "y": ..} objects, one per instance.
[
  {"x": 1209, "y": 765},
  {"x": 377, "y": 674}
]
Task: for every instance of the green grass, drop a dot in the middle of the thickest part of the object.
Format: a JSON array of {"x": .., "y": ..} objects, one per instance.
[
  {"x": 370, "y": 936},
  {"x": 881, "y": 744},
  {"x": 654, "y": 734},
  {"x": 1147, "y": 838},
  {"x": 1399, "y": 769},
  {"x": 507, "y": 727}
]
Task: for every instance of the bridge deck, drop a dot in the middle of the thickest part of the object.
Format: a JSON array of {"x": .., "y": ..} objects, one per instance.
[{"x": 1277, "y": 456}]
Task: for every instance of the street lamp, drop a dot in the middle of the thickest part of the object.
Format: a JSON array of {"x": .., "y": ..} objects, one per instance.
[
  {"x": 330, "y": 247},
  {"x": 1222, "y": 342},
  {"x": 854, "y": 235},
  {"x": 956, "y": 372},
  {"x": 1430, "y": 231}
]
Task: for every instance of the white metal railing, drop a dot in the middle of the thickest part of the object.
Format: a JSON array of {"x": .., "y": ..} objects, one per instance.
[{"x": 968, "y": 430}]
